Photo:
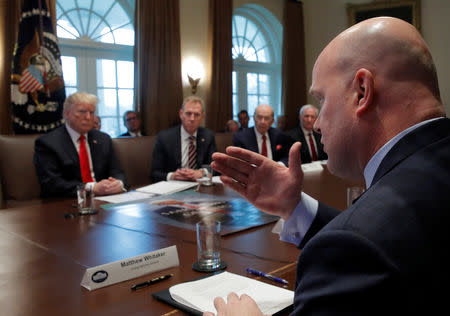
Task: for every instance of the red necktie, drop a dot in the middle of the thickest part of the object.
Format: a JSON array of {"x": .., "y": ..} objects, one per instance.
[
  {"x": 313, "y": 148},
  {"x": 84, "y": 162},
  {"x": 192, "y": 161},
  {"x": 264, "y": 147}
]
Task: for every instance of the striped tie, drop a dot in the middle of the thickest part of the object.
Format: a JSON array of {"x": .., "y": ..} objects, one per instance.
[{"x": 192, "y": 162}]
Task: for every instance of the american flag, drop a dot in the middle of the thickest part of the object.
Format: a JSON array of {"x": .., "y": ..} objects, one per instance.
[{"x": 32, "y": 80}]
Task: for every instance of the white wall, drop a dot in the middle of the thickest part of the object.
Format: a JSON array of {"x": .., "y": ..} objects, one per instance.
[{"x": 324, "y": 19}]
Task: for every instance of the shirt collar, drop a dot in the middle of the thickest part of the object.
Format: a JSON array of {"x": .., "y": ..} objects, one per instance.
[
  {"x": 258, "y": 134},
  {"x": 375, "y": 161},
  {"x": 74, "y": 135},
  {"x": 186, "y": 135},
  {"x": 306, "y": 132}
]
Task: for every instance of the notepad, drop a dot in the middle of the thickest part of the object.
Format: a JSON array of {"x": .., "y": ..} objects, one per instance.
[
  {"x": 200, "y": 294},
  {"x": 167, "y": 187}
]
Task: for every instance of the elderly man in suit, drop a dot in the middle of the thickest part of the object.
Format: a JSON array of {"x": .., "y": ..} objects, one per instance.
[
  {"x": 381, "y": 119},
  {"x": 77, "y": 153},
  {"x": 312, "y": 148},
  {"x": 263, "y": 138},
  {"x": 180, "y": 151}
]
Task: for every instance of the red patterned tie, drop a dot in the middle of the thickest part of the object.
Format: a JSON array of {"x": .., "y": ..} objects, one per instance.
[
  {"x": 313, "y": 148},
  {"x": 192, "y": 161},
  {"x": 84, "y": 162},
  {"x": 264, "y": 147}
]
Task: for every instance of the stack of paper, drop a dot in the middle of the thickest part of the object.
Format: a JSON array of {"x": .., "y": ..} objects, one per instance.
[
  {"x": 200, "y": 294},
  {"x": 167, "y": 187}
]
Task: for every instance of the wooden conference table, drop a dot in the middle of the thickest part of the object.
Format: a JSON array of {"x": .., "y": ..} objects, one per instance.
[{"x": 43, "y": 255}]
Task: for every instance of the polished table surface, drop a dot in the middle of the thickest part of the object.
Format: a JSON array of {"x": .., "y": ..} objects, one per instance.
[{"x": 44, "y": 255}]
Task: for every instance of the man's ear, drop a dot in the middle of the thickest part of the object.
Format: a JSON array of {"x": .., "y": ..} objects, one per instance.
[{"x": 364, "y": 87}]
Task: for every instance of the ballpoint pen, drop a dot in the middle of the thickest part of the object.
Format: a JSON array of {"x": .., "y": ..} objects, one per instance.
[
  {"x": 267, "y": 276},
  {"x": 150, "y": 282}
]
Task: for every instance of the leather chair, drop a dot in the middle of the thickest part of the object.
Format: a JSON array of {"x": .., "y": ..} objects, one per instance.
[
  {"x": 223, "y": 140},
  {"x": 18, "y": 177},
  {"x": 135, "y": 158}
]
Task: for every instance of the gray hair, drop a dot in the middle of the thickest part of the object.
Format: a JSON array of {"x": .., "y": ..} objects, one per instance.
[{"x": 307, "y": 106}]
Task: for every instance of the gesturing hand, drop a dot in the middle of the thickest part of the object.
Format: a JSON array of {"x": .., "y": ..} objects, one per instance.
[{"x": 269, "y": 186}]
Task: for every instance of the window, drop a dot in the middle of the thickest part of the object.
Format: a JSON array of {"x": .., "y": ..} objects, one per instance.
[
  {"x": 256, "y": 55},
  {"x": 96, "y": 41}
]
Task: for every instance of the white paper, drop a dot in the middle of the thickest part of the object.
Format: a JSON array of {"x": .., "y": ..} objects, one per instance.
[
  {"x": 200, "y": 294},
  {"x": 129, "y": 268},
  {"x": 313, "y": 166},
  {"x": 125, "y": 197},
  {"x": 167, "y": 187},
  {"x": 216, "y": 179}
]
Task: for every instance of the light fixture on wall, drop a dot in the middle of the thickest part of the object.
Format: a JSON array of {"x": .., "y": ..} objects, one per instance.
[{"x": 194, "y": 71}]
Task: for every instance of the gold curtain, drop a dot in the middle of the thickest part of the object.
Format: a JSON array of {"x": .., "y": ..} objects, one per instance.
[
  {"x": 220, "y": 106},
  {"x": 293, "y": 73},
  {"x": 9, "y": 26},
  {"x": 158, "y": 86}
]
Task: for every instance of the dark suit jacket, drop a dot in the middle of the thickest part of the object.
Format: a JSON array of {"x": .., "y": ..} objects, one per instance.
[
  {"x": 280, "y": 143},
  {"x": 388, "y": 254},
  {"x": 127, "y": 134},
  {"x": 298, "y": 136},
  {"x": 167, "y": 151},
  {"x": 58, "y": 166}
]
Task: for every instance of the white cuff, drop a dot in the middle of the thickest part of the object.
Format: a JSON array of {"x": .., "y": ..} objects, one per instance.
[{"x": 298, "y": 224}]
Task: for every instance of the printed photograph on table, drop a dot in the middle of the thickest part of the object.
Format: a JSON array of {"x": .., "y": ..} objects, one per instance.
[{"x": 185, "y": 209}]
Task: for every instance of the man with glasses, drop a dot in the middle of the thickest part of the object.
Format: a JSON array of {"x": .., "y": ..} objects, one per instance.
[
  {"x": 132, "y": 122},
  {"x": 180, "y": 151},
  {"x": 263, "y": 138},
  {"x": 77, "y": 153}
]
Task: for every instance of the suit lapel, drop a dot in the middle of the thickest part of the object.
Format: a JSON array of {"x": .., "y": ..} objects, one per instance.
[
  {"x": 273, "y": 141},
  {"x": 177, "y": 144},
  {"x": 253, "y": 142},
  {"x": 200, "y": 146},
  {"x": 69, "y": 147},
  {"x": 93, "y": 147}
]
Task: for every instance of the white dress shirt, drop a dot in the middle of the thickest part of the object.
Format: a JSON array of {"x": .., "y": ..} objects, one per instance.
[
  {"x": 306, "y": 133},
  {"x": 259, "y": 140},
  {"x": 184, "y": 150},
  {"x": 75, "y": 136}
]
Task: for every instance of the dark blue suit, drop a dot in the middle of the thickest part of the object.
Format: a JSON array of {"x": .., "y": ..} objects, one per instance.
[
  {"x": 167, "y": 151},
  {"x": 58, "y": 166},
  {"x": 388, "y": 254},
  {"x": 280, "y": 143},
  {"x": 298, "y": 136}
]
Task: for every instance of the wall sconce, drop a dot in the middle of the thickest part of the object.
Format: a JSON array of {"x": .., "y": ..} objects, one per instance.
[
  {"x": 194, "y": 71},
  {"x": 193, "y": 83}
]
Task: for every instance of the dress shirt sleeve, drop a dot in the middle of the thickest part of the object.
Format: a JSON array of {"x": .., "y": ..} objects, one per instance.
[{"x": 296, "y": 227}]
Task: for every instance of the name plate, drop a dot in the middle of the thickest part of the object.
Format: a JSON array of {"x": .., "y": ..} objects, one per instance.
[
  {"x": 313, "y": 166},
  {"x": 122, "y": 270}
]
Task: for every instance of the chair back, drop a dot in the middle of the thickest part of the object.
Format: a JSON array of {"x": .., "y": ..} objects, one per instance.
[{"x": 18, "y": 175}]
